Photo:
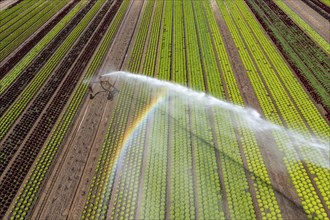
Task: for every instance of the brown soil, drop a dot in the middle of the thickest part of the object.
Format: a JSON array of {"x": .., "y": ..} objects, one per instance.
[
  {"x": 242, "y": 78},
  {"x": 40, "y": 132},
  {"x": 314, "y": 19},
  {"x": 12, "y": 59},
  {"x": 66, "y": 189},
  {"x": 288, "y": 200},
  {"x": 6, "y": 4}
]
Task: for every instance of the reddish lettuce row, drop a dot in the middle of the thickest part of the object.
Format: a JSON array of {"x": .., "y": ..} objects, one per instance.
[
  {"x": 16, "y": 33},
  {"x": 29, "y": 195},
  {"x": 310, "y": 65},
  {"x": 8, "y": 97},
  {"x": 4, "y": 69},
  {"x": 320, "y": 7}
]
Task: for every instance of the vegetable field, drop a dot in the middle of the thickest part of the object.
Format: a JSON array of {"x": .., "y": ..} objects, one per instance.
[{"x": 164, "y": 109}]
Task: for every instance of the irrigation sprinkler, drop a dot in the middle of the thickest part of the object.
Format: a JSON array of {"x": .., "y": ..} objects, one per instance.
[{"x": 107, "y": 88}]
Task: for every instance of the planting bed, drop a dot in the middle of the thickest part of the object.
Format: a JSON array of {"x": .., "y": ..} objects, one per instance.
[{"x": 156, "y": 150}]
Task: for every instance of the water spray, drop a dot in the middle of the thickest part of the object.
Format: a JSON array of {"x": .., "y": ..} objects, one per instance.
[{"x": 172, "y": 103}]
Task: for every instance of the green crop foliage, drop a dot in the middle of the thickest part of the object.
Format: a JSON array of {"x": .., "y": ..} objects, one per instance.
[
  {"x": 312, "y": 61},
  {"x": 164, "y": 70},
  {"x": 150, "y": 167},
  {"x": 14, "y": 12},
  {"x": 141, "y": 38},
  {"x": 28, "y": 27},
  {"x": 326, "y": 2},
  {"x": 10, "y": 16},
  {"x": 35, "y": 180},
  {"x": 14, "y": 111},
  {"x": 28, "y": 58},
  {"x": 304, "y": 26},
  {"x": 281, "y": 87}
]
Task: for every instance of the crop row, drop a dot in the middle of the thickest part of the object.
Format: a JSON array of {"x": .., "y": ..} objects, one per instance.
[
  {"x": 102, "y": 182},
  {"x": 127, "y": 150},
  {"x": 13, "y": 12},
  {"x": 212, "y": 76},
  {"x": 10, "y": 19},
  {"x": 272, "y": 83},
  {"x": 37, "y": 49},
  {"x": 194, "y": 61},
  {"x": 48, "y": 153},
  {"x": 208, "y": 189},
  {"x": 153, "y": 187},
  {"x": 304, "y": 26},
  {"x": 39, "y": 103},
  {"x": 295, "y": 91},
  {"x": 180, "y": 165},
  {"x": 43, "y": 52},
  {"x": 155, "y": 181},
  {"x": 320, "y": 7},
  {"x": 250, "y": 151},
  {"x": 27, "y": 27},
  {"x": 239, "y": 199},
  {"x": 153, "y": 43},
  {"x": 208, "y": 206},
  {"x": 137, "y": 54},
  {"x": 29, "y": 92},
  {"x": 25, "y": 49},
  {"x": 179, "y": 69},
  {"x": 35, "y": 141},
  {"x": 164, "y": 70},
  {"x": 181, "y": 185},
  {"x": 312, "y": 159},
  {"x": 125, "y": 189},
  {"x": 311, "y": 63},
  {"x": 125, "y": 193}
]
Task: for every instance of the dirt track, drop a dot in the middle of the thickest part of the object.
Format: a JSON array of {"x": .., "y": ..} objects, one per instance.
[
  {"x": 64, "y": 193},
  {"x": 6, "y": 4},
  {"x": 319, "y": 23},
  {"x": 66, "y": 189},
  {"x": 287, "y": 196}
]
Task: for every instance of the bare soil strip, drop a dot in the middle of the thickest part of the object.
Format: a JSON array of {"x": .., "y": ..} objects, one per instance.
[
  {"x": 314, "y": 19},
  {"x": 318, "y": 6},
  {"x": 9, "y": 62},
  {"x": 71, "y": 165},
  {"x": 13, "y": 91},
  {"x": 137, "y": 11},
  {"x": 78, "y": 187},
  {"x": 303, "y": 162},
  {"x": 39, "y": 135},
  {"x": 250, "y": 99},
  {"x": 8, "y": 3},
  {"x": 247, "y": 174}
]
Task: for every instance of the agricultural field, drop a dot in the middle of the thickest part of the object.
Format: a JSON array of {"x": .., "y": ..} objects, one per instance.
[{"x": 164, "y": 109}]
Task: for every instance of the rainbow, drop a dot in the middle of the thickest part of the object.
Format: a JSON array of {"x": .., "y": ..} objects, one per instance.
[{"x": 132, "y": 130}]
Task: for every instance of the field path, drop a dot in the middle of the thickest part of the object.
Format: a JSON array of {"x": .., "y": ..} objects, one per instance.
[
  {"x": 319, "y": 23},
  {"x": 68, "y": 184},
  {"x": 7, "y": 3}
]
